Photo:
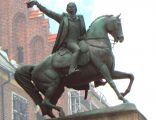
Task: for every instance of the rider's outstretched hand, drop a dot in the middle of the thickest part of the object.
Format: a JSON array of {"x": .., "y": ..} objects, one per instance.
[{"x": 31, "y": 3}]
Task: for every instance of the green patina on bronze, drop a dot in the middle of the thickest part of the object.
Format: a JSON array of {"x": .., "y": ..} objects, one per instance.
[{"x": 95, "y": 62}]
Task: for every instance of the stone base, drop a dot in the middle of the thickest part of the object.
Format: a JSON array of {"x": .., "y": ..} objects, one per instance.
[{"x": 120, "y": 112}]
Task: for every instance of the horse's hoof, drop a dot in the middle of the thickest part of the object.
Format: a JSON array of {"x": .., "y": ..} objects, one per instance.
[
  {"x": 46, "y": 111},
  {"x": 61, "y": 113},
  {"x": 50, "y": 114},
  {"x": 125, "y": 101}
]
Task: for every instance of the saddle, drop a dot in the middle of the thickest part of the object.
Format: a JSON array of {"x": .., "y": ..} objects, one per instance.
[{"x": 62, "y": 58}]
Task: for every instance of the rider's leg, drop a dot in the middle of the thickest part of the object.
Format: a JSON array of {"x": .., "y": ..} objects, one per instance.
[{"x": 73, "y": 46}]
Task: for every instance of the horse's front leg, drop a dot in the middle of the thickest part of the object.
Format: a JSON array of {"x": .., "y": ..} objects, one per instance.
[
  {"x": 102, "y": 67},
  {"x": 123, "y": 75},
  {"x": 105, "y": 72}
]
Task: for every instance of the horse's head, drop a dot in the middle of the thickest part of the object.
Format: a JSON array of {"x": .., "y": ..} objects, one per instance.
[
  {"x": 113, "y": 27},
  {"x": 106, "y": 24}
]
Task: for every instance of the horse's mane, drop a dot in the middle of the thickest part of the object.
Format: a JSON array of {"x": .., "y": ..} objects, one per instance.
[{"x": 99, "y": 18}]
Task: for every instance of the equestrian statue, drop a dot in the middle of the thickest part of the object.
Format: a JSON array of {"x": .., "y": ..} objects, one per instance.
[{"x": 94, "y": 61}]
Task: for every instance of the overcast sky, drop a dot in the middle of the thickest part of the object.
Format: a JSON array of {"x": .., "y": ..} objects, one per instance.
[{"x": 135, "y": 55}]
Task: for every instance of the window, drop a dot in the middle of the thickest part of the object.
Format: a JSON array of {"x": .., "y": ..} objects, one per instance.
[
  {"x": 20, "y": 54},
  {"x": 19, "y": 108},
  {"x": 75, "y": 104}
]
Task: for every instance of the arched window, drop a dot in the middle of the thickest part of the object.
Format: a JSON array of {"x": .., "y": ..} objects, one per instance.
[
  {"x": 36, "y": 49},
  {"x": 19, "y": 37}
]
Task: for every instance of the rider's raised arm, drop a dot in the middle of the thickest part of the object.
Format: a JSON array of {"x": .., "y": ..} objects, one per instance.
[{"x": 57, "y": 17}]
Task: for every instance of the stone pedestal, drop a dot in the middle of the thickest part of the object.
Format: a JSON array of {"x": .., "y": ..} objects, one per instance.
[{"x": 120, "y": 112}]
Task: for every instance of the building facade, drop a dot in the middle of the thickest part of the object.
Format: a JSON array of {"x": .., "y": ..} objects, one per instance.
[{"x": 15, "y": 103}]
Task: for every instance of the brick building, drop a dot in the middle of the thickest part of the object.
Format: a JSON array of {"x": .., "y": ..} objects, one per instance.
[
  {"x": 25, "y": 37},
  {"x": 24, "y": 32}
]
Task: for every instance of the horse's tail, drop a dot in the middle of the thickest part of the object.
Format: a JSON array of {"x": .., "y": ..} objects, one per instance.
[
  {"x": 23, "y": 77},
  {"x": 23, "y": 73}
]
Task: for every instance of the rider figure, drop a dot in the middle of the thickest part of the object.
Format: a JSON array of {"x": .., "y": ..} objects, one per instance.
[{"x": 71, "y": 30}]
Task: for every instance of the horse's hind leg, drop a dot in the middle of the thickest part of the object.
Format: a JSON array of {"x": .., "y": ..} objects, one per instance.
[
  {"x": 123, "y": 75},
  {"x": 56, "y": 97},
  {"x": 105, "y": 72},
  {"x": 52, "y": 83}
]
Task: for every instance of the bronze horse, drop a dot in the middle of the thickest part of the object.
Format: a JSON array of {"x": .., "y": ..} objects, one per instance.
[{"x": 96, "y": 62}]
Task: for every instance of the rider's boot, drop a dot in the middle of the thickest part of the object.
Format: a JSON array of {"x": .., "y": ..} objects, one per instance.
[{"x": 73, "y": 66}]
